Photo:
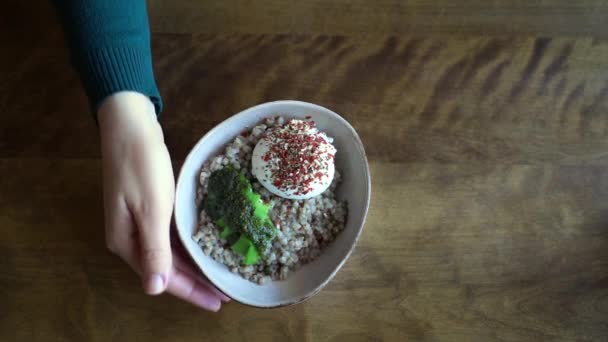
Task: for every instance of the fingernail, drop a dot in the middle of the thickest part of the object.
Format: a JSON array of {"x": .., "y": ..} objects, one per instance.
[
  {"x": 155, "y": 284},
  {"x": 206, "y": 301},
  {"x": 224, "y": 298},
  {"x": 217, "y": 307},
  {"x": 214, "y": 305}
]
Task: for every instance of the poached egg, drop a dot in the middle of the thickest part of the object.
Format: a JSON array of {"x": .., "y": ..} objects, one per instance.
[{"x": 294, "y": 161}]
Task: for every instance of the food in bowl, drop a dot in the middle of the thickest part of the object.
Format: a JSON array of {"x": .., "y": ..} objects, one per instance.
[
  {"x": 294, "y": 161},
  {"x": 267, "y": 203}
]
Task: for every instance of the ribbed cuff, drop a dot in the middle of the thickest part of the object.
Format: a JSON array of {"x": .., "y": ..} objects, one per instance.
[{"x": 107, "y": 71}]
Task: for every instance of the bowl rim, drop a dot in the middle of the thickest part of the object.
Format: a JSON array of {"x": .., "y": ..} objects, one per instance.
[{"x": 367, "y": 195}]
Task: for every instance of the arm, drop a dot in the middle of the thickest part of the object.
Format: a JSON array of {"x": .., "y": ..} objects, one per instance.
[{"x": 110, "y": 49}]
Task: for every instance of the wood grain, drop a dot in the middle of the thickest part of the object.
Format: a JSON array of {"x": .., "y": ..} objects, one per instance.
[
  {"x": 485, "y": 124},
  {"x": 353, "y": 17}
]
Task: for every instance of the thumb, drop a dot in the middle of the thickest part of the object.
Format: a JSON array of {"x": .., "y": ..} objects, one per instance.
[{"x": 155, "y": 253}]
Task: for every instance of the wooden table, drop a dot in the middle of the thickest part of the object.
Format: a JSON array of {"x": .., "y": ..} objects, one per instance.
[{"x": 486, "y": 124}]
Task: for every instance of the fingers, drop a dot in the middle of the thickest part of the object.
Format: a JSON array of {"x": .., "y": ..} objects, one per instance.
[
  {"x": 185, "y": 267},
  {"x": 125, "y": 240},
  {"x": 155, "y": 248},
  {"x": 192, "y": 291},
  {"x": 121, "y": 232},
  {"x": 126, "y": 251}
]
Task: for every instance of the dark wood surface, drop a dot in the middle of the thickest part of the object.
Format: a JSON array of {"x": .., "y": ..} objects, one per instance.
[{"x": 485, "y": 122}]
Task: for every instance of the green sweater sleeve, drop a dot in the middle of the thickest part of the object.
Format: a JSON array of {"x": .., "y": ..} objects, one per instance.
[{"x": 109, "y": 43}]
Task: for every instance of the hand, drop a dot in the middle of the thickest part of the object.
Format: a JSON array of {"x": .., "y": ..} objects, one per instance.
[{"x": 138, "y": 191}]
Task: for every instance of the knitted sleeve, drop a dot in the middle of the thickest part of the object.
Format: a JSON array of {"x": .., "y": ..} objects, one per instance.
[{"x": 109, "y": 45}]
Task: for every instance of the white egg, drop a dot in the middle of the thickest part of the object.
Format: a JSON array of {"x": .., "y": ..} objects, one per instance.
[{"x": 264, "y": 171}]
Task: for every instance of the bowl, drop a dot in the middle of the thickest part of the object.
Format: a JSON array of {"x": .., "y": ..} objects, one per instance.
[{"x": 355, "y": 189}]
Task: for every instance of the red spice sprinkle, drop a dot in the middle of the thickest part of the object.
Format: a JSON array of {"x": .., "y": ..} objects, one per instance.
[
  {"x": 308, "y": 117},
  {"x": 297, "y": 157}
]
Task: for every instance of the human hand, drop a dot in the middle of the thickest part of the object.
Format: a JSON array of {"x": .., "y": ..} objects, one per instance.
[{"x": 138, "y": 191}]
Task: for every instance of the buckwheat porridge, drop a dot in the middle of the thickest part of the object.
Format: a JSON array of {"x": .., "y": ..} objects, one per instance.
[{"x": 267, "y": 204}]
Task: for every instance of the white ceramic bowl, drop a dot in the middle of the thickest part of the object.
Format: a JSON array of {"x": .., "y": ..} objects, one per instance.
[{"x": 355, "y": 189}]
